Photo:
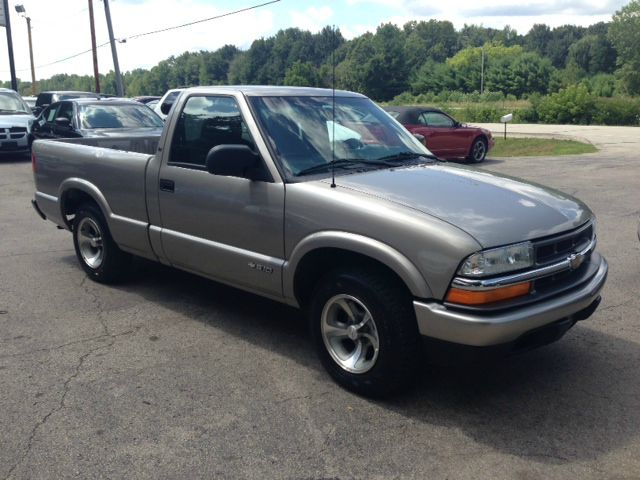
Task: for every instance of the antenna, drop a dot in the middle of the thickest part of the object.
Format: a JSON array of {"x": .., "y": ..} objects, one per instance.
[{"x": 333, "y": 107}]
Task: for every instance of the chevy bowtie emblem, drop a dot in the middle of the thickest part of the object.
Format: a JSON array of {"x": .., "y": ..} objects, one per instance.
[{"x": 575, "y": 260}]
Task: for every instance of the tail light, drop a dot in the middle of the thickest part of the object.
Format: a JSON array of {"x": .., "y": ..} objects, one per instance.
[{"x": 33, "y": 162}]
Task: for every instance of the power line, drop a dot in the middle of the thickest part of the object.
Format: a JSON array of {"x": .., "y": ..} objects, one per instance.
[{"x": 138, "y": 35}]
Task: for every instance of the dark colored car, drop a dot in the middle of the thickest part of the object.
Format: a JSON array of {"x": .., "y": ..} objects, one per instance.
[
  {"x": 444, "y": 136},
  {"x": 96, "y": 118},
  {"x": 47, "y": 98},
  {"x": 146, "y": 99}
]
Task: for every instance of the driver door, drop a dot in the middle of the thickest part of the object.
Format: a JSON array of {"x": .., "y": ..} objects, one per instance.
[{"x": 226, "y": 228}]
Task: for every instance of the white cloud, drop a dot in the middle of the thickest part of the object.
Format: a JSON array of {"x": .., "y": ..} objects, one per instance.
[
  {"x": 55, "y": 38},
  {"x": 313, "y": 19}
]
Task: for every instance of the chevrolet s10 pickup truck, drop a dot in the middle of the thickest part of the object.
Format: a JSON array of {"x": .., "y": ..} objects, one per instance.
[{"x": 321, "y": 200}]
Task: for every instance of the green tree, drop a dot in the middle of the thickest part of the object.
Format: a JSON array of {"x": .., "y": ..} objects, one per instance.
[
  {"x": 538, "y": 38},
  {"x": 302, "y": 74},
  {"x": 593, "y": 54},
  {"x": 375, "y": 64},
  {"x": 624, "y": 34},
  {"x": 433, "y": 40}
]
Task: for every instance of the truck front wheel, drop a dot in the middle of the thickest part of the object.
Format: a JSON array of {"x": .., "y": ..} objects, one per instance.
[
  {"x": 365, "y": 331},
  {"x": 98, "y": 254}
]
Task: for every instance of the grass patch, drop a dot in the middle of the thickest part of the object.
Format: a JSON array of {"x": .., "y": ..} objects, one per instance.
[{"x": 538, "y": 147}]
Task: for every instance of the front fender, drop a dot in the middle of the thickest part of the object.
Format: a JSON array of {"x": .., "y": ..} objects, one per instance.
[{"x": 360, "y": 244}]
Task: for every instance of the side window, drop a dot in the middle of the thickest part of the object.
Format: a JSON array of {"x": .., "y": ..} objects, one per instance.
[
  {"x": 65, "y": 110},
  {"x": 50, "y": 113},
  {"x": 205, "y": 122},
  {"x": 422, "y": 119},
  {"x": 437, "y": 119}
]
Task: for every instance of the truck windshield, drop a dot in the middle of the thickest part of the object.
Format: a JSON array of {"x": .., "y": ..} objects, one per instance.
[
  {"x": 118, "y": 116},
  {"x": 306, "y": 136}
]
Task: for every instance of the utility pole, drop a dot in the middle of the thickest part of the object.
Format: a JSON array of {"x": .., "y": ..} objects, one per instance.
[
  {"x": 12, "y": 65},
  {"x": 482, "y": 72},
  {"x": 96, "y": 73},
  {"x": 33, "y": 69},
  {"x": 20, "y": 9},
  {"x": 114, "y": 52}
]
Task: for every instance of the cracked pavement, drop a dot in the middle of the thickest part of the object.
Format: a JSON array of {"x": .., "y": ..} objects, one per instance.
[{"x": 174, "y": 376}]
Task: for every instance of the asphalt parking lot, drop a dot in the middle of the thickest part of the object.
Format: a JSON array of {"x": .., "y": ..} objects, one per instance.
[{"x": 173, "y": 376}]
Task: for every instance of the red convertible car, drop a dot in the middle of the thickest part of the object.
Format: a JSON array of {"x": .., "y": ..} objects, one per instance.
[{"x": 444, "y": 136}]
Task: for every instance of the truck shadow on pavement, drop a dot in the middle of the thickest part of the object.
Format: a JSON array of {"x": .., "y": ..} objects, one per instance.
[{"x": 575, "y": 400}]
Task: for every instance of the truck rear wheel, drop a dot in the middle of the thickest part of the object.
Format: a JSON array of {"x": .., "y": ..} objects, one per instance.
[
  {"x": 365, "y": 331},
  {"x": 98, "y": 254}
]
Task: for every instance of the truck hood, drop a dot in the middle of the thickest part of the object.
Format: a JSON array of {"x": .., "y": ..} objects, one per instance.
[
  {"x": 9, "y": 120},
  {"x": 494, "y": 209}
]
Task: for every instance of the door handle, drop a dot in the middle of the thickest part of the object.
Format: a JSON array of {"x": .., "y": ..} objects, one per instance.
[{"x": 167, "y": 185}]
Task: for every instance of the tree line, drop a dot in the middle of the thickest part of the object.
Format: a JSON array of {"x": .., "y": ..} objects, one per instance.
[{"x": 419, "y": 58}]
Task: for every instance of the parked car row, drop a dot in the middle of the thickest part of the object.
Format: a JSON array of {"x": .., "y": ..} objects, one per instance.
[
  {"x": 89, "y": 117},
  {"x": 64, "y": 114},
  {"x": 72, "y": 114}
]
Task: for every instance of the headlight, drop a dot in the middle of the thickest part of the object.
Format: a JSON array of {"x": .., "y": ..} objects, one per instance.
[{"x": 498, "y": 260}]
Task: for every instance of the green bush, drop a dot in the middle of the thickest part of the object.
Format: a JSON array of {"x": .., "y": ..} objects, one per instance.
[
  {"x": 573, "y": 104},
  {"x": 617, "y": 111},
  {"x": 603, "y": 85}
]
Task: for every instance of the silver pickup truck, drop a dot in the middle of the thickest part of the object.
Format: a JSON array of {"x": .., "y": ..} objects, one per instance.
[{"x": 326, "y": 203}]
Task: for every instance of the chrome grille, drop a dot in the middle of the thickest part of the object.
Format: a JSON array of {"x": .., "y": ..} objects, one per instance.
[{"x": 559, "y": 247}]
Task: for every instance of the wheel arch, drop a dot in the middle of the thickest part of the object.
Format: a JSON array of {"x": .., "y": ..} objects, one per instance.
[
  {"x": 476, "y": 137},
  {"x": 324, "y": 251},
  {"x": 75, "y": 192}
]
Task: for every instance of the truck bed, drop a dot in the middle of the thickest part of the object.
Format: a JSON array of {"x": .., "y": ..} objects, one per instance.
[
  {"x": 139, "y": 144},
  {"x": 96, "y": 167}
]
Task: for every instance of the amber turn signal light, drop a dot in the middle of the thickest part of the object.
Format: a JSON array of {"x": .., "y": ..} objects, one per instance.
[{"x": 481, "y": 297}]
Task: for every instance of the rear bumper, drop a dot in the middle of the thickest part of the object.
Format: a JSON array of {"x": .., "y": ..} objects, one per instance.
[
  {"x": 35, "y": 206},
  {"x": 438, "y": 321}
]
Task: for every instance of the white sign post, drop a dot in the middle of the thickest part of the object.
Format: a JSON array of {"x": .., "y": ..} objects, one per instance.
[{"x": 506, "y": 119}]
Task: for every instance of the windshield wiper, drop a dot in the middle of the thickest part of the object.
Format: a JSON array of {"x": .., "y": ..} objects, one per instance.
[
  {"x": 343, "y": 163},
  {"x": 402, "y": 156}
]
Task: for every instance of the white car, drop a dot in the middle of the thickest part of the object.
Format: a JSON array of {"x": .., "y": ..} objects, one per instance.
[
  {"x": 167, "y": 100},
  {"x": 16, "y": 121}
]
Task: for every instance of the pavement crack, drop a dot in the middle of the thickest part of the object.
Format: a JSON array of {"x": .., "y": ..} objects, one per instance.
[
  {"x": 74, "y": 342},
  {"x": 61, "y": 404},
  {"x": 95, "y": 300}
]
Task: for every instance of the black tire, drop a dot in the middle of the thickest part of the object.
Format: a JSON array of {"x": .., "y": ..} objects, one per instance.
[
  {"x": 478, "y": 150},
  {"x": 103, "y": 261},
  {"x": 398, "y": 355}
]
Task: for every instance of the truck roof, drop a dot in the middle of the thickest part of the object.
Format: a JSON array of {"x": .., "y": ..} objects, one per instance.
[{"x": 276, "y": 91}]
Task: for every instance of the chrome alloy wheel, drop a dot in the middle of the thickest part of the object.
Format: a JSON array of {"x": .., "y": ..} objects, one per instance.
[
  {"x": 349, "y": 333},
  {"x": 479, "y": 151},
  {"x": 90, "y": 242}
]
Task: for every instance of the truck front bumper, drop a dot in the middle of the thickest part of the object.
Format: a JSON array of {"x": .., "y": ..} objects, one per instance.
[{"x": 436, "y": 320}]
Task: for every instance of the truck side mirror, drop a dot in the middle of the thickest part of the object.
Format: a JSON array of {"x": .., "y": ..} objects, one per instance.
[
  {"x": 166, "y": 107},
  {"x": 237, "y": 161},
  {"x": 63, "y": 122}
]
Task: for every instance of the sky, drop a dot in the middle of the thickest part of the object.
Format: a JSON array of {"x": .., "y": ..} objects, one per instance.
[{"x": 60, "y": 29}]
